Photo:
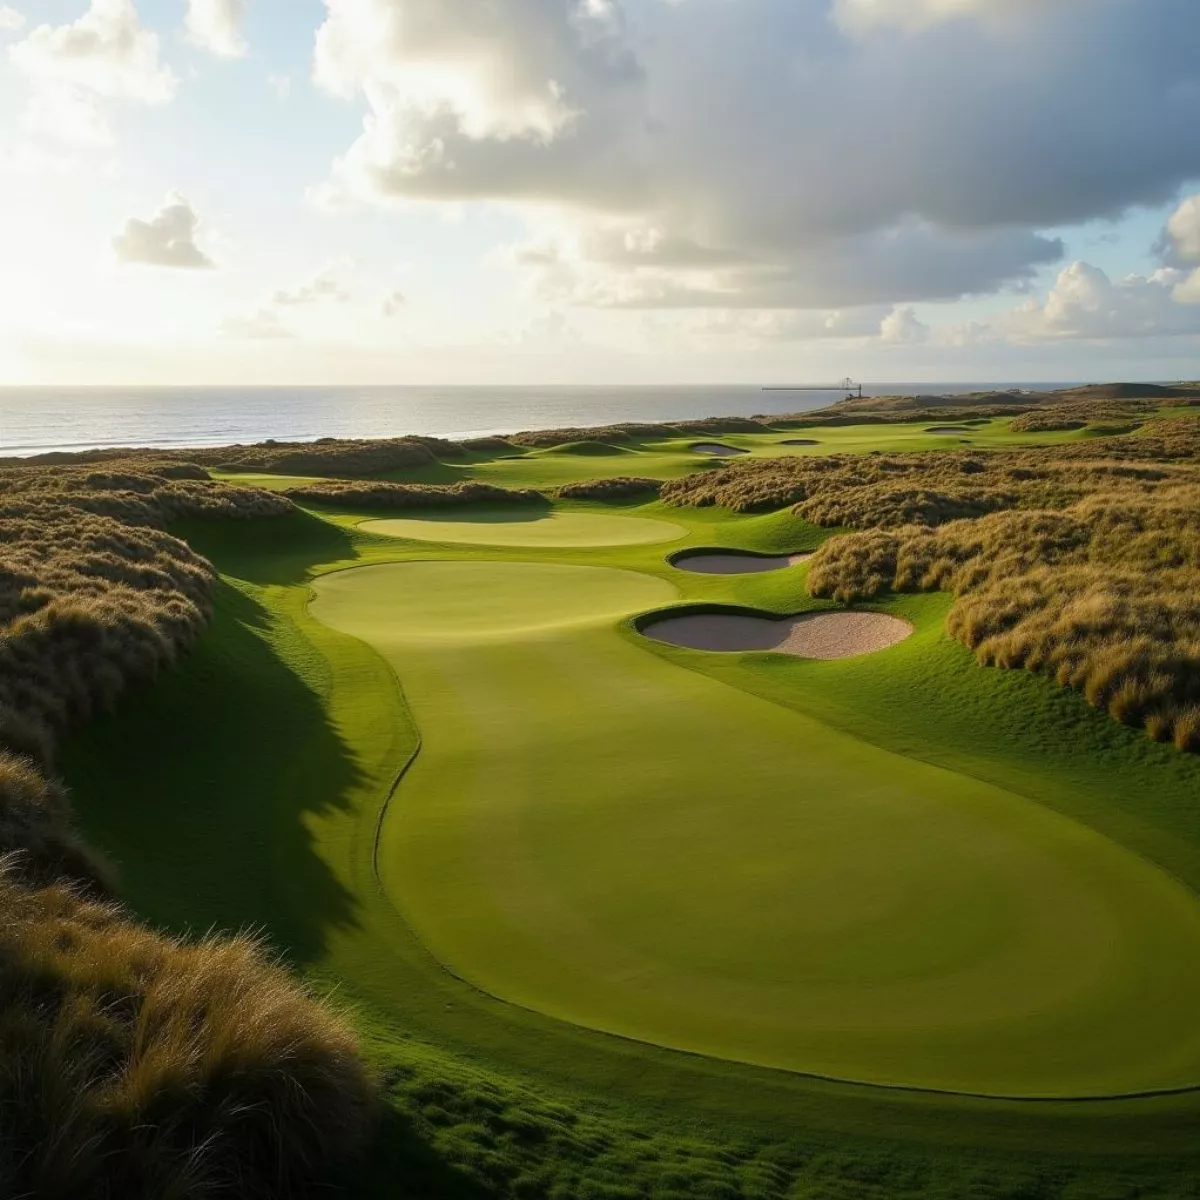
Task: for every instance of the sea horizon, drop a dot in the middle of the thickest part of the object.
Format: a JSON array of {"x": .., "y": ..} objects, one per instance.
[{"x": 40, "y": 419}]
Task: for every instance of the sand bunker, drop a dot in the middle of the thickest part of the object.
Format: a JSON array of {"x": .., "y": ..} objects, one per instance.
[
  {"x": 726, "y": 562},
  {"x": 800, "y": 442},
  {"x": 949, "y": 429},
  {"x": 717, "y": 450},
  {"x": 809, "y": 635}
]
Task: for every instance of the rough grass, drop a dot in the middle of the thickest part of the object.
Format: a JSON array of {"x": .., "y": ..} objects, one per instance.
[
  {"x": 1118, "y": 416},
  {"x": 131, "y": 1065},
  {"x": 409, "y": 495},
  {"x": 621, "y": 487},
  {"x": 298, "y": 729},
  {"x": 1084, "y": 568}
]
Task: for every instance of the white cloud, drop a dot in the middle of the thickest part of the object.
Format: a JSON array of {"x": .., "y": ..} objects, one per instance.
[
  {"x": 1183, "y": 231},
  {"x": 216, "y": 26},
  {"x": 261, "y": 326},
  {"x": 1187, "y": 291},
  {"x": 323, "y": 286},
  {"x": 902, "y": 328},
  {"x": 281, "y": 85},
  {"x": 860, "y": 16},
  {"x": 1085, "y": 303},
  {"x": 10, "y": 19},
  {"x": 67, "y": 114},
  {"x": 506, "y": 71},
  {"x": 749, "y": 154},
  {"x": 753, "y": 328},
  {"x": 75, "y": 69},
  {"x": 107, "y": 51},
  {"x": 168, "y": 239},
  {"x": 393, "y": 303}
]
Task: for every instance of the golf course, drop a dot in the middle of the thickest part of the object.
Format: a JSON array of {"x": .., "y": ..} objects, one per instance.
[{"x": 591, "y": 808}]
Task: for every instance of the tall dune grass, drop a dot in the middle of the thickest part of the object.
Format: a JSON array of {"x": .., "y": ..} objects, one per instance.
[
  {"x": 379, "y": 494},
  {"x": 136, "y": 1065},
  {"x": 1084, "y": 570},
  {"x": 132, "y": 1065}
]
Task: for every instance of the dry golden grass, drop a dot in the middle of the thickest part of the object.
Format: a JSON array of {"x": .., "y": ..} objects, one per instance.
[
  {"x": 618, "y": 488},
  {"x": 131, "y": 1065},
  {"x": 93, "y": 591},
  {"x": 136, "y": 1065},
  {"x": 1114, "y": 416},
  {"x": 409, "y": 495},
  {"x": 1088, "y": 571}
]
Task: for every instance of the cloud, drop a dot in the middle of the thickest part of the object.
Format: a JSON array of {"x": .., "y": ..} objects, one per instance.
[
  {"x": 752, "y": 328},
  {"x": 168, "y": 239},
  {"x": 259, "y": 326},
  {"x": 216, "y": 26},
  {"x": 1085, "y": 303},
  {"x": 393, "y": 303},
  {"x": 1181, "y": 238},
  {"x": 10, "y": 19},
  {"x": 66, "y": 114},
  {"x": 861, "y": 16},
  {"x": 1187, "y": 291},
  {"x": 76, "y": 69},
  {"x": 913, "y": 260},
  {"x": 107, "y": 51},
  {"x": 323, "y": 286},
  {"x": 752, "y": 154},
  {"x": 902, "y": 328}
]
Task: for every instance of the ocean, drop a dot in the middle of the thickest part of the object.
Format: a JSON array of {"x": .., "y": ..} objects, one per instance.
[{"x": 34, "y": 420}]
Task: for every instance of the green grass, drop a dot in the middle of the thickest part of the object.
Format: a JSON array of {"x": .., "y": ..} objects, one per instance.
[
  {"x": 247, "y": 788},
  {"x": 559, "y": 528},
  {"x": 595, "y": 834},
  {"x": 673, "y": 457}
]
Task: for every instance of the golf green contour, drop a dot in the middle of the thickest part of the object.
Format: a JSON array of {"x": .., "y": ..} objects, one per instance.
[
  {"x": 603, "y": 836},
  {"x": 658, "y": 837},
  {"x": 539, "y": 528}
]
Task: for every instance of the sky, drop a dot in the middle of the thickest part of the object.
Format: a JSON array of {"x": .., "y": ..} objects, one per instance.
[{"x": 598, "y": 191}]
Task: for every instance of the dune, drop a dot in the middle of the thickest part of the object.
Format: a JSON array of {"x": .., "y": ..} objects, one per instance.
[{"x": 823, "y": 635}]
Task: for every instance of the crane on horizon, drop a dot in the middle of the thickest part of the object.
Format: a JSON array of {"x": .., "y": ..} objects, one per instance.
[{"x": 847, "y": 385}]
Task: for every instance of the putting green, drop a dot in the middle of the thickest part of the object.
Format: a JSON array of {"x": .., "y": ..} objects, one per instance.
[
  {"x": 529, "y": 528},
  {"x": 596, "y": 833}
]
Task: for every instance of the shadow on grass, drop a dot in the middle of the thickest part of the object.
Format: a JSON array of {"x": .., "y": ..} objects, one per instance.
[
  {"x": 201, "y": 784},
  {"x": 280, "y": 550},
  {"x": 469, "y": 514},
  {"x": 402, "y": 1162}
]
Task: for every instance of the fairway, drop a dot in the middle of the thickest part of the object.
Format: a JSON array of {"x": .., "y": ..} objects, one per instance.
[
  {"x": 529, "y": 528},
  {"x": 597, "y": 833}
]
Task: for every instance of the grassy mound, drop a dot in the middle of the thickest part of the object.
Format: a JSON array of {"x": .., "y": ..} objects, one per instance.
[
  {"x": 134, "y": 1065},
  {"x": 588, "y": 449},
  {"x": 620, "y": 487},
  {"x": 131, "y": 1065},
  {"x": 510, "y": 527},
  {"x": 302, "y": 732},
  {"x": 341, "y": 494},
  {"x": 902, "y": 932}
]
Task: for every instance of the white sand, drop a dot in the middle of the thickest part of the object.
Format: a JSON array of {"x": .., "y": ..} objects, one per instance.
[
  {"x": 736, "y": 564},
  {"x": 810, "y": 635},
  {"x": 717, "y": 450}
]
